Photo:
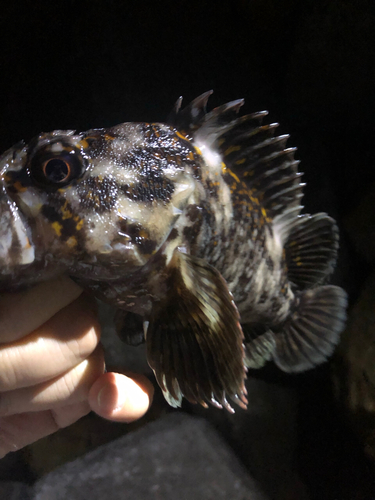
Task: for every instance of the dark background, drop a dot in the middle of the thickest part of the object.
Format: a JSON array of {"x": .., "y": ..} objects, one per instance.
[{"x": 311, "y": 63}]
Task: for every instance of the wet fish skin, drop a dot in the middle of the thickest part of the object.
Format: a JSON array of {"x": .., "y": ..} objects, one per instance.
[{"x": 194, "y": 230}]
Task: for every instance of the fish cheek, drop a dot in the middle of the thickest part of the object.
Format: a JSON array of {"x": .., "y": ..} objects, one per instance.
[{"x": 194, "y": 338}]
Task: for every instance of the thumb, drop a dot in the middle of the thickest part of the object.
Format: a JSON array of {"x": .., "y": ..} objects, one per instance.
[{"x": 120, "y": 398}]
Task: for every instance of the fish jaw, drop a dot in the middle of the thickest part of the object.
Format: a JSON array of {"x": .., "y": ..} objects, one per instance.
[{"x": 16, "y": 247}]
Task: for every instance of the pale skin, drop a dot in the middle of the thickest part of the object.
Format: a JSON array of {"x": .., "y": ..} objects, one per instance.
[{"x": 52, "y": 366}]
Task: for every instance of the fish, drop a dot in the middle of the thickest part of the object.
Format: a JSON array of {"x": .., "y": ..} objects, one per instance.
[{"x": 193, "y": 229}]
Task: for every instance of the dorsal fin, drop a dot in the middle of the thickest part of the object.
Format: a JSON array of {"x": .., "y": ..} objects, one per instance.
[
  {"x": 264, "y": 163},
  {"x": 249, "y": 149},
  {"x": 189, "y": 118}
]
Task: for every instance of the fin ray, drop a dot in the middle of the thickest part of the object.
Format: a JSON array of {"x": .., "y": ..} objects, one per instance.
[
  {"x": 259, "y": 347},
  {"x": 311, "y": 250},
  {"x": 309, "y": 337},
  {"x": 249, "y": 149},
  {"x": 194, "y": 338}
]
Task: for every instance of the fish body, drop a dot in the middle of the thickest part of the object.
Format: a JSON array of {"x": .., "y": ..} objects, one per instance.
[{"x": 193, "y": 229}]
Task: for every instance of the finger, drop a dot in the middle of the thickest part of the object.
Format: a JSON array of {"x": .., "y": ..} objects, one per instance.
[
  {"x": 71, "y": 388},
  {"x": 119, "y": 398},
  {"x": 23, "y": 312},
  {"x": 17, "y": 431},
  {"x": 62, "y": 342}
]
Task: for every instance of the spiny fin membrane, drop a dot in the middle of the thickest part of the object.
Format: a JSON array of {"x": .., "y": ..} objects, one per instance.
[
  {"x": 263, "y": 163},
  {"x": 249, "y": 149},
  {"x": 313, "y": 329},
  {"x": 194, "y": 338},
  {"x": 190, "y": 117},
  {"x": 311, "y": 250}
]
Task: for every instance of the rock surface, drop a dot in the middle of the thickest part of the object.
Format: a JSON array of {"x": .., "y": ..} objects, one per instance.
[{"x": 176, "y": 457}]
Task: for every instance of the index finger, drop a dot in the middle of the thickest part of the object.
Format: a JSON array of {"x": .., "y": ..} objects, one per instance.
[{"x": 23, "y": 312}]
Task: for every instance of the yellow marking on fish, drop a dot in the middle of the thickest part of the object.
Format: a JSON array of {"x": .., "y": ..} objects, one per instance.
[
  {"x": 28, "y": 244},
  {"x": 79, "y": 225},
  {"x": 198, "y": 150},
  {"x": 66, "y": 213},
  {"x": 57, "y": 228},
  {"x": 249, "y": 173},
  {"x": 83, "y": 143},
  {"x": 109, "y": 137},
  {"x": 240, "y": 162},
  {"x": 231, "y": 149},
  {"x": 297, "y": 260},
  {"x": 20, "y": 188},
  {"x": 143, "y": 234},
  {"x": 63, "y": 189},
  {"x": 156, "y": 132},
  {"x": 223, "y": 168},
  {"x": 71, "y": 241},
  {"x": 181, "y": 136},
  {"x": 264, "y": 213},
  {"x": 233, "y": 175},
  {"x": 190, "y": 155}
]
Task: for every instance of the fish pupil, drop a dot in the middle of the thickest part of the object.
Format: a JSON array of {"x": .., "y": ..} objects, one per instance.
[{"x": 56, "y": 170}]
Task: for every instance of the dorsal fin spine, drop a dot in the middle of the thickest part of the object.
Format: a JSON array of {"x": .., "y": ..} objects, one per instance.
[{"x": 250, "y": 150}]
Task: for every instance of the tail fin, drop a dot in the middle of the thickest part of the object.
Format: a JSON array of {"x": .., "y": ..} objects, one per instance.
[{"x": 312, "y": 330}]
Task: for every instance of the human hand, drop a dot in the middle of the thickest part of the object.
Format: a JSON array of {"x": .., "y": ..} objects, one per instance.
[{"x": 52, "y": 369}]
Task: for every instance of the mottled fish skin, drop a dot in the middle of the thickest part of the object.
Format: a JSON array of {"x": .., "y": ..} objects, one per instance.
[
  {"x": 195, "y": 226},
  {"x": 133, "y": 183}
]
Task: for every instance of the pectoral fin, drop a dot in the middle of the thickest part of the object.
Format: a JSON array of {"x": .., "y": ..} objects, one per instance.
[{"x": 194, "y": 338}]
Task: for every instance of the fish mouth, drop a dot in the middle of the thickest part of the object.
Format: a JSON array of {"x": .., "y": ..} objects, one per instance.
[{"x": 16, "y": 247}]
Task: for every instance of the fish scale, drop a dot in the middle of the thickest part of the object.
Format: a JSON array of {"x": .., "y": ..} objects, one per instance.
[{"x": 194, "y": 230}]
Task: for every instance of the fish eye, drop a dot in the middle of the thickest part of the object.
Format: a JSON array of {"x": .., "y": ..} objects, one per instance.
[
  {"x": 56, "y": 170},
  {"x": 56, "y": 165}
]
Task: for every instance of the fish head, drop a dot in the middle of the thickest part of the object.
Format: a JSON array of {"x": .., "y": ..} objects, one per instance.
[{"x": 103, "y": 198}]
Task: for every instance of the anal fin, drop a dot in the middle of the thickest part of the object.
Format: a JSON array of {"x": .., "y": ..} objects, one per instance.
[
  {"x": 259, "y": 348},
  {"x": 312, "y": 330},
  {"x": 194, "y": 338}
]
